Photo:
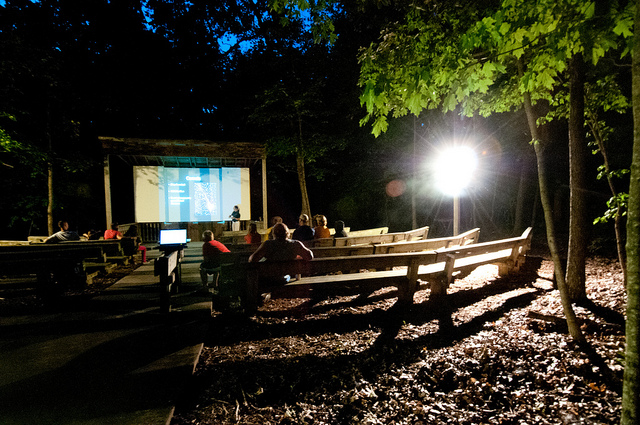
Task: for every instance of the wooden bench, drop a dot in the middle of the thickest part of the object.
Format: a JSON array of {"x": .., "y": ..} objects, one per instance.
[
  {"x": 508, "y": 254},
  {"x": 463, "y": 239},
  {"x": 371, "y": 237},
  {"x": 110, "y": 246},
  {"x": 368, "y": 232},
  {"x": 119, "y": 251},
  {"x": 407, "y": 245},
  {"x": 53, "y": 265},
  {"x": 402, "y": 270},
  {"x": 168, "y": 267}
]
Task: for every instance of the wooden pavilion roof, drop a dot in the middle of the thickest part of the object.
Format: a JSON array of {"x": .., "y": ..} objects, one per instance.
[{"x": 183, "y": 153}]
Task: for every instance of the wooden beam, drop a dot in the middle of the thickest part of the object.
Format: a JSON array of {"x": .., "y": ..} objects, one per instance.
[{"x": 181, "y": 148}]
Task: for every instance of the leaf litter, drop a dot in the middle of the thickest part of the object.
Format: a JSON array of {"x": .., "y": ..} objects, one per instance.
[{"x": 494, "y": 351}]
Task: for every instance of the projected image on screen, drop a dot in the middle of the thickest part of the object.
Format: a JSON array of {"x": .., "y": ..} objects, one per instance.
[
  {"x": 205, "y": 199},
  {"x": 189, "y": 194}
]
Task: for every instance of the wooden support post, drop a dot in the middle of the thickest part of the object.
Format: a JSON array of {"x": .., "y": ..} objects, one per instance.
[{"x": 406, "y": 294}]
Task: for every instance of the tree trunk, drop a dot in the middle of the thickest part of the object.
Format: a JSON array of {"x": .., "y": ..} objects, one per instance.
[
  {"x": 305, "y": 208},
  {"x": 522, "y": 190},
  {"x": 545, "y": 199},
  {"x": 302, "y": 177},
  {"x": 631, "y": 388},
  {"x": 617, "y": 220},
  {"x": 50, "y": 198},
  {"x": 578, "y": 220}
]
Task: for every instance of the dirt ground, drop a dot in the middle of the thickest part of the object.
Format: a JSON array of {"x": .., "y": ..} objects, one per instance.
[{"x": 495, "y": 351}]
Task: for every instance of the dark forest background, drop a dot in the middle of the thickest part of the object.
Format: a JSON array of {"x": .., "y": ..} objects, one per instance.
[{"x": 229, "y": 71}]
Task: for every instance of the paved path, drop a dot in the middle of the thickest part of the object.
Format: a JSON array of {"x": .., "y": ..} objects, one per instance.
[{"x": 113, "y": 360}]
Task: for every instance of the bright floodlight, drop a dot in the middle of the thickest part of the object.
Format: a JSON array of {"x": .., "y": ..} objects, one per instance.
[{"x": 454, "y": 168}]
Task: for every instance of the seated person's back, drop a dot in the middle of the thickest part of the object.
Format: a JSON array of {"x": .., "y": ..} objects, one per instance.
[
  {"x": 304, "y": 232},
  {"x": 253, "y": 237},
  {"x": 281, "y": 248},
  {"x": 340, "y": 232},
  {"x": 63, "y": 235},
  {"x": 211, "y": 250},
  {"x": 321, "y": 231},
  {"x": 113, "y": 233}
]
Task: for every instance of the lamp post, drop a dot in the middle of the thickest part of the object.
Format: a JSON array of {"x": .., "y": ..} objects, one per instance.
[{"x": 454, "y": 168}]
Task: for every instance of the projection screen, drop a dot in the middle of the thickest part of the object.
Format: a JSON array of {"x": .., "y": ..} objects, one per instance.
[{"x": 164, "y": 194}]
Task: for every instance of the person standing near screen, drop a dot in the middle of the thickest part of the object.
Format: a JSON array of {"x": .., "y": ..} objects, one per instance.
[{"x": 235, "y": 217}]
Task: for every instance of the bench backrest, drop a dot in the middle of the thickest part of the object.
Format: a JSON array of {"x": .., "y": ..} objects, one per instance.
[
  {"x": 462, "y": 239},
  {"x": 340, "y": 264},
  {"x": 111, "y": 247},
  {"x": 35, "y": 260},
  {"x": 166, "y": 265},
  {"x": 370, "y": 232},
  {"x": 521, "y": 243},
  {"x": 370, "y": 236},
  {"x": 242, "y": 247},
  {"x": 342, "y": 251}
]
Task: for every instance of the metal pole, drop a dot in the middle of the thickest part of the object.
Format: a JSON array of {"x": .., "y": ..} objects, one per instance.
[{"x": 456, "y": 214}]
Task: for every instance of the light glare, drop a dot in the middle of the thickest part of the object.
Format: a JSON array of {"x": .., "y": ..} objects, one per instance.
[{"x": 454, "y": 169}]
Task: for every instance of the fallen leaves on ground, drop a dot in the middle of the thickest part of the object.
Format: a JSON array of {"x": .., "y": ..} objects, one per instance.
[{"x": 494, "y": 351}]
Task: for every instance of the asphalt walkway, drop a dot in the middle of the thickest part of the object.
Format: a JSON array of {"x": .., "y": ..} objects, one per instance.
[{"x": 115, "y": 359}]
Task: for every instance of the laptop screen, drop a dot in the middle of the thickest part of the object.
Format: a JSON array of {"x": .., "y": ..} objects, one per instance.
[{"x": 173, "y": 236}]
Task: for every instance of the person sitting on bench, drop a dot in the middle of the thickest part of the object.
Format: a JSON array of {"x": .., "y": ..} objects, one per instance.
[
  {"x": 211, "y": 250},
  {"x": 63, "y": 235},
  {"x": 114, "y": 233},
  {"x": 304, "y": 232},
  {"x": 321, "y": 231},
  {"x": 281, "y": 248},
  {"x": 274, "y": 220},
  {"x": 253, "y": 237},
  {"x": 340, "y": 232}
]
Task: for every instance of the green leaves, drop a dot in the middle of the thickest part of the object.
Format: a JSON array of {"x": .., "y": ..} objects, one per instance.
[{"x": 446, "y": 59}]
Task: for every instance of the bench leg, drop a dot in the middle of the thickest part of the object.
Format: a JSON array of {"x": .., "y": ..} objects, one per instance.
[
  {"x": 46, "y": 286},
  {"x": 165, "y": 294},
  {"x": 251, "y": 293},
  {"x": 439, "y": 285},
  {"x": 406, "y": 291}
]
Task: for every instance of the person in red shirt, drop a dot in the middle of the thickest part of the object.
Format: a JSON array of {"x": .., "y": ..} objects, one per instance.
[
  {"x": 114, "y": 233},
  {"x": 211, "y": 250}
]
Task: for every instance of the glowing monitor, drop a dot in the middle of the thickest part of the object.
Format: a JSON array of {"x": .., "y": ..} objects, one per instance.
[{"x": 173, "y": 236}]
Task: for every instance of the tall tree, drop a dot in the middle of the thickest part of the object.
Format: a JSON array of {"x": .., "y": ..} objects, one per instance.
[
  {"x": 472, "y": 66},
  {"x": 631, "y": 387},
  {"x": 578, "y": 219}
]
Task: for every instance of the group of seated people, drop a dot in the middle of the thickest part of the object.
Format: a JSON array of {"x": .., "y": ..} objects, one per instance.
[
  {"x": 64, "y": 234},
  {"x": 280, "y": 244},
  {"x": 304, "y": 232}
]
